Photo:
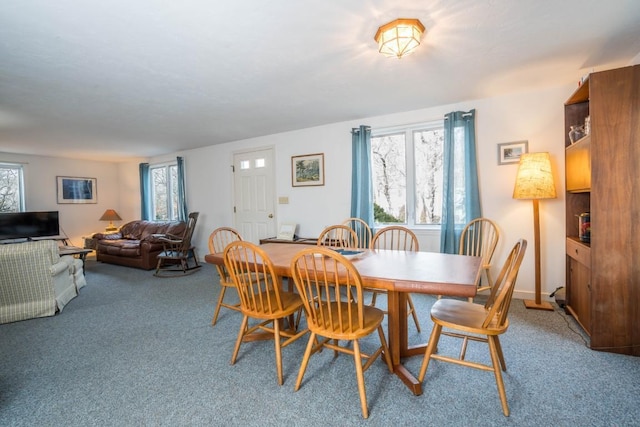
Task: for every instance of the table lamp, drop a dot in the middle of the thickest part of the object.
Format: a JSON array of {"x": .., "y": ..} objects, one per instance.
[
  {"x": 534, "y": 181},
  {"x": 110, "y": 215}
]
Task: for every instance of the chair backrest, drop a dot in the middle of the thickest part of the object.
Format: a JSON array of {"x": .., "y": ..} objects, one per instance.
[
  {"x": 259, "y": 287},
  {"x": 362, "y": 229},
  {"x": 479, "y": 238},
  {"x": 338, "y": 236},
  {"x": 501, "y": 293},
  {"x": 218, "y": 241},
  {"x": 221, "y": 237},
  {"x": 192, "y": 219},
  {"x": 331, "y": 291},
  {"x": 395, "y": 237}
]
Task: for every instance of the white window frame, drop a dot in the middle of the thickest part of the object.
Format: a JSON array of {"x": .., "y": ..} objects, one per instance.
[
  {"x": 170, "y": 196},
  {"x": 21, "y": 189},
  {"x": 409, "y": 130}
]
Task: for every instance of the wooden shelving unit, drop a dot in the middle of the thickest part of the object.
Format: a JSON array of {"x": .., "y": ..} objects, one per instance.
[{"x": 603, "y": 276}]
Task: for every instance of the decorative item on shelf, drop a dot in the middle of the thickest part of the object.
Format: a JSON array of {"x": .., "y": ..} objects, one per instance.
[
  {"x": 534, "y": 181},
  {"x": 587, "y": 125},
  {"x": 576, "y": 132},
  {"x": 584, "y": 227},
  {"x": 110, "y": 215}
]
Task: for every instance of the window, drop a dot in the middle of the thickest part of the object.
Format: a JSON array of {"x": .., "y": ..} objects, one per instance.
[
  {"x": 164, "y": 192},
  {"x": 11, "y": 188},
  {"x": 407, "y": 174}
]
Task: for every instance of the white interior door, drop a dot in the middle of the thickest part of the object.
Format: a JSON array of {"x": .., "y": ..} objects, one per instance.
[{"x": 254, "y": 194}]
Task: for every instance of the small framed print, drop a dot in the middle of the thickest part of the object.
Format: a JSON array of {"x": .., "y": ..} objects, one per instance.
[
  {"x": 77, "y": 190},
  {"x": 307, "y": 170},
  {"x": 510, "y": 152}
]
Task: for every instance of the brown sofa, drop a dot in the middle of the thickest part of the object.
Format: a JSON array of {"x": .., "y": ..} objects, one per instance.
[{"x": 135, "y": 245}]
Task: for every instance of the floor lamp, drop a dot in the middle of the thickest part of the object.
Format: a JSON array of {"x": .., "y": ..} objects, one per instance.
[{"x": 534, "y": 182}]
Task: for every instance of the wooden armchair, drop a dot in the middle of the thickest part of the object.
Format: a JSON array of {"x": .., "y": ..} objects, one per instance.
[
  {"x": 480, "y": 238},
  {"x": 396, "y": 238},
  {"x": 476, "y": 322},
  {"x": 338, "y": 236},
  {"x": 324, "y": 278},
  {"x": 178, "y": 252},
  {"x": 362, "y": 229},
  {"x": 261, "y": 297},
  {"x": 218, "y": 241}
]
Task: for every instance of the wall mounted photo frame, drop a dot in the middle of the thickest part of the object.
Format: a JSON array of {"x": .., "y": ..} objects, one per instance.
[
  {"x": 77, "y": 190},
  {"x": 307, "y": 170},
  {"x": 510, "y": 152}
]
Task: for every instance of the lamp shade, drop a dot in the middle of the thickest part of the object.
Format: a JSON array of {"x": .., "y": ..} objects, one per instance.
[
  {"x": 400, "y": 37},
  {"x": 534, "y": 179},
  {"x": 110, "y": 215}
]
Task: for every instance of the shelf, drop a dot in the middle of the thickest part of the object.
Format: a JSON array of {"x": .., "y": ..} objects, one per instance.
[
  {"x": 585, "y": 140},
  {"x": 580, "y": 95}
]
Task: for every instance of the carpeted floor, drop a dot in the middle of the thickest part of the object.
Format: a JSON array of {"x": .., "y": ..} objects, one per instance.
[{"x": 136, "y": 350}]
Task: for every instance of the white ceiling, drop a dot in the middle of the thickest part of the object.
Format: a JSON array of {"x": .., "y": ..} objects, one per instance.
[{"x": 121, "y": 78}]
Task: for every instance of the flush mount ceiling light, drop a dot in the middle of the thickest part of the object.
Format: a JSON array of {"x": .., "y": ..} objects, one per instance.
[{"x": 400, "y": 37}]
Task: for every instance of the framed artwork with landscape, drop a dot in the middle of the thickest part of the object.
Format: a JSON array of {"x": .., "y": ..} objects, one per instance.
[
  {"x": 77, "y": 190},
  {"x": 307, "y": 170},
  {"x": 510, "y": 152}
]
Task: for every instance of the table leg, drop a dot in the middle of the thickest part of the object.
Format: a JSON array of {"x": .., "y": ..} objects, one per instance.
[{"x": 399, "y": 340}]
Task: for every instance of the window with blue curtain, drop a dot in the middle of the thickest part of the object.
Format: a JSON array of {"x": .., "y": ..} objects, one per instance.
[
  {"x": 361, "y": 182},
  {"x": 163, "y": 191},
  {"x": 461, "y": 194}
]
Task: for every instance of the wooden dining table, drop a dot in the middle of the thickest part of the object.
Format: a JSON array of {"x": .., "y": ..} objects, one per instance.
[{"x": 399, "y": 273}]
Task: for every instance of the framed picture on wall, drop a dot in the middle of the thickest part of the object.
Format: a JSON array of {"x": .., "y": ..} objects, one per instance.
[
  {"x": 307, "y": 170},
  {"x": 510, "y": 152},
  {"x": 77, "y": 190}
]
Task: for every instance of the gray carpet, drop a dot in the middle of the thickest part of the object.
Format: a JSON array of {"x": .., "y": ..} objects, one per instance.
[{"x": 136, "y": 350}]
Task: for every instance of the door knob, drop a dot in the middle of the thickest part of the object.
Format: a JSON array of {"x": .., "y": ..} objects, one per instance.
[{"x": 270, "y": 215}]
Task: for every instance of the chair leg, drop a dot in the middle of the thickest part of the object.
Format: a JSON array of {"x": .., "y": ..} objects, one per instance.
[
  {"x": 276, "y": 338},
  {"x": 500, "y": 355},
  {"x": 218, "y": 305},
  {"x": 385, "y": 349},
  {"x": 243, "y": 328},
  {"x": 360, "y": 376},
  {"x": 305, "y": 360},
  {"x": 412, "y": 310},
  {"x": 431, "y": 348},
  {"x": 496, "y": 369}
]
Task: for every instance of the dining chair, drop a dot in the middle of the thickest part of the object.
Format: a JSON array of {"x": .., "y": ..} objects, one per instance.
[
  {"x": 480, "y": 238},
  {"x": 178, "y": 251},
  {"x": 324, "y": 279},
  {"x": 262, "y": 297},
  {"x": 362, "y": 229},
  {"x": 397, "y": 238},
  {"x": 218, "y": 240},
  {"x": 477, "y": 322},
  {"x": 338, "y": 236}
]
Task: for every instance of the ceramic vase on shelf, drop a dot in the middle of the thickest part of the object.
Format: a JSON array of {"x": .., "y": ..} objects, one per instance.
[{"x": 575, "y": 133}]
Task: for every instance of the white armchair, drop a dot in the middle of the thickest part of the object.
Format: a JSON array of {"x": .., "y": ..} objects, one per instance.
[
  {"x": 34, "y": 281},
  {"x": 76, "y": 267}
]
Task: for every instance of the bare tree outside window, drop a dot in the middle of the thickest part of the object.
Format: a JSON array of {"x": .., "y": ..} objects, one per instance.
[
  {"x": 388, "y": 154},
  {"x": 164, "y": 186},
  {"x": 428, "y": 145},
  {"x": 407, "y": 175},
  {"x": 11, "y": 188}
]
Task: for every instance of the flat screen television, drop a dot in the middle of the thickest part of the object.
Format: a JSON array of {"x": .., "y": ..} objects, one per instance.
[{"x": 21, "y": 225}]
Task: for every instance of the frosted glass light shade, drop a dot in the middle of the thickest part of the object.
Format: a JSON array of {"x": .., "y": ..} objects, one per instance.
[{"x": 400, "y": 37}]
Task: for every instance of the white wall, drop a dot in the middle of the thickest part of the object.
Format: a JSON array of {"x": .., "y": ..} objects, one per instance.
[
  {"x": 114, "y": 183},
  {"x": 533, "y": 116}
]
